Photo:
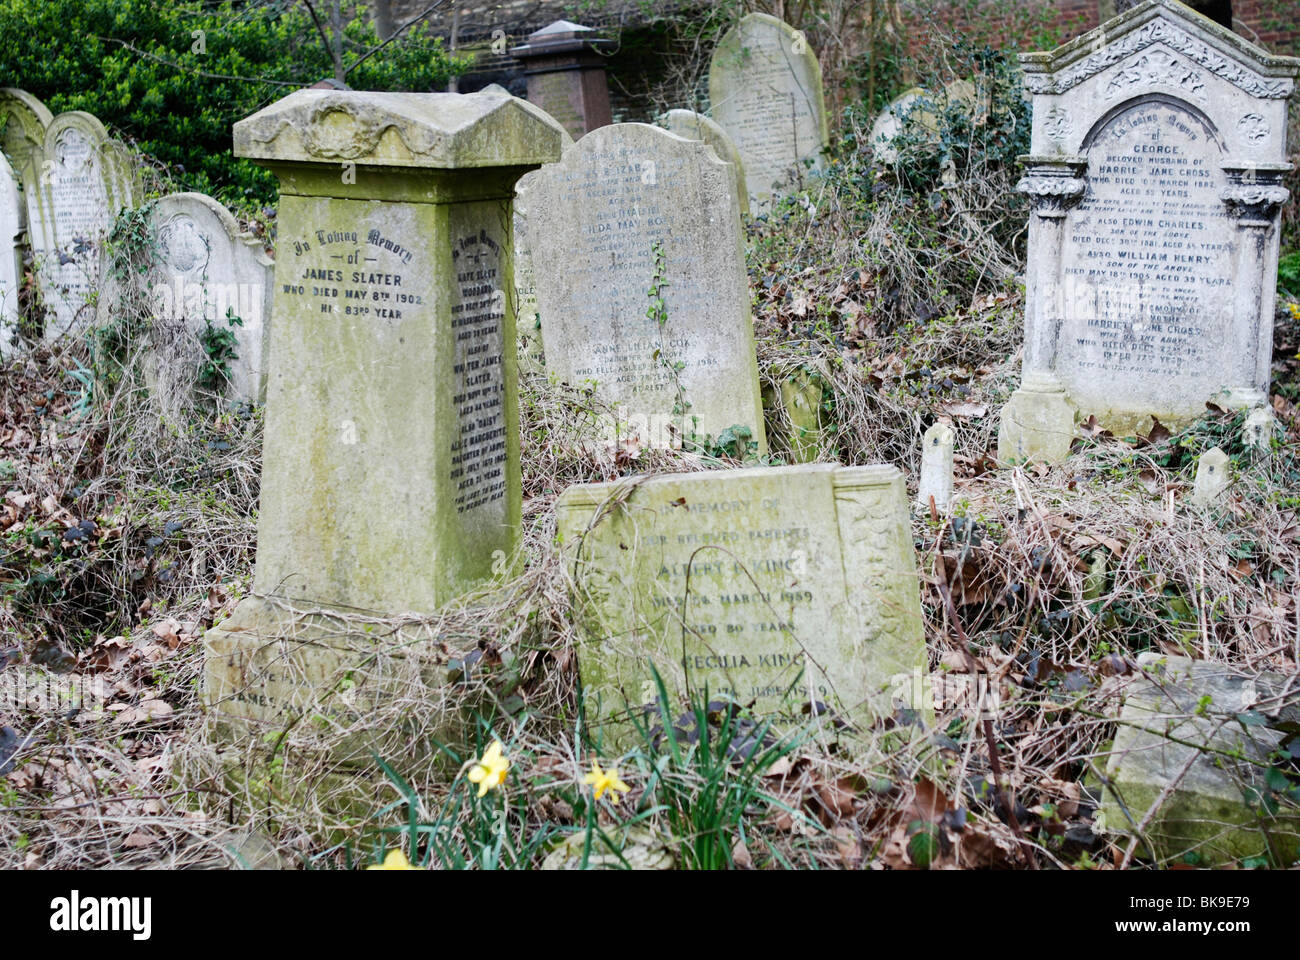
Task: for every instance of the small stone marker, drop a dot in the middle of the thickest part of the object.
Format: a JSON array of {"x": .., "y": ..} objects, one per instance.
[
  {"x": 631, "y": 206},
  {"x": 86, "y": 179},
  {"x": 1208, "y": 811},
  {"x": 696, "y": 126},
  {"x": 1258, "y": 430},
  {"x": 801, "y": 399},
  {"x": 565, "y": 68},
  {"x": 781, "y": 585},
  {"x": 12, "y": 220},
  {"x": 1158, "y": 151},
  {"x": 765, "y": 91},
  {"x": 391, "y": 478},
  {"x": 1211, "y": 478},
  {"x": 936, "y": 469},
  {"x": 203, "y": 271}
]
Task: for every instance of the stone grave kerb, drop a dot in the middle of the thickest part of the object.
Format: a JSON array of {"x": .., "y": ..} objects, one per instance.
[
  {"x": 1163, "y": 52},
  {"x": 396, "y": 195}
]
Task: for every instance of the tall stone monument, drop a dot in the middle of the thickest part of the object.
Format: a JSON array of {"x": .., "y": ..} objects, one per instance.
[
  {"x": 640, "y": 276},
  {"x": 786, "y": 586},
  {"x": 765, "y": 91},
  {"x": 391, "y": 479},
  {"x": 565, "y": 68},
  {"x": 1158, "y": 149},
  {"x": 86, "y": 179}
]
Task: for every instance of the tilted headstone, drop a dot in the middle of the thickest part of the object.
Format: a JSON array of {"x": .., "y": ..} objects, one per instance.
[
  {"x": 1199, "y": 739},
  {"x": 785, "y": 586},
  {"x": 11, "y": 259},
  {"x": 391, "y": 478},
  {"x": 628, "y": 210},
  {"x": 86, "y": 179},
  {"x": 1158, "y": 150},
  {"x": 936, "y": 469},
  {"x": 765, "y": 91},
  {"x": 1211, "y": 478},
  {"x": 204, "y": 278},
  {"x": 911, "y": 113},
  {"x": 1258, "y": 432},
  {"x": 696, "y": 126},
  {"x": 24, "y": 119}
]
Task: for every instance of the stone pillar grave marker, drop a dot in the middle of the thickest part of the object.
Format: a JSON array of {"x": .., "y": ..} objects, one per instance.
[
  {"x": 391, "y": 479},
  {"x": 565, "y": 70}
]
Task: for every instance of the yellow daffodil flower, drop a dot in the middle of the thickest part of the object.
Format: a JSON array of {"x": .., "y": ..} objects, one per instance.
[
  {"x": 396, "y": 860},
  {"x": 490, "y": 771},
  {"x": 605, "y": 780}
]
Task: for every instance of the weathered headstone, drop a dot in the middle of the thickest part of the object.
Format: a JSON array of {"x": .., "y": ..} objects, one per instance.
[
  {"x": 801, "y": 400},
  {"x": 784, "y": 585},
  {"x": 205, "y": 278},
  {"x": 630, "y": 209},
  {"x": 696, "y": 126},
  {"x": 529, "y": 322},
  {"x": 24, "y": 119},
  {"x": 1211, "y": 478},
  {"x": 86, "y": 179},
  {"x": 1158, "y": 148},
  {"x": 565, "y": 68},
  {"x": 11, "y": 266},
  {"x": 765, "y": 91},
  {"x": 1191, "y": 758},
  {"x": 1258, "y": 432},
  {"x": 911, "y": 112},
  {"x": 936, "y": 469},
  {"x": 391, "y": 479}
]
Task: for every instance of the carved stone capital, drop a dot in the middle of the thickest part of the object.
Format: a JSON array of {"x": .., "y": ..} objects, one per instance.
[
  {"x": 1052, "y": 193},
  {"x": 1256, "y": 203}
]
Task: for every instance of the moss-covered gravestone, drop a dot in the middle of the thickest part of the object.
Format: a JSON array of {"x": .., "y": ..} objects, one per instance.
[
  {"x": 391, "y": 459},
  {"x": 765, "y": 91},
  {"x": 86, "y": 179},
  {"x": 639, "y": 263},
  {"x": 696, "y": 126},
  {"x": 1156, "y": 178},
  {"x": 786, "y": 586}
]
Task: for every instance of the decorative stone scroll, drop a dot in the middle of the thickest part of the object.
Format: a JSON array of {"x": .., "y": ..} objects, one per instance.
[{"x": 1155, "y": 182}]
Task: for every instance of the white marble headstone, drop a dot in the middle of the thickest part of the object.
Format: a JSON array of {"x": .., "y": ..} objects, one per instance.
[{"x": 11, "y": 229}]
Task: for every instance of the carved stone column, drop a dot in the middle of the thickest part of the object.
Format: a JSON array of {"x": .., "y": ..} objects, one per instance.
[
  {"x": 1254, "y": 197},
  {"x": 1038, "y": 420}
]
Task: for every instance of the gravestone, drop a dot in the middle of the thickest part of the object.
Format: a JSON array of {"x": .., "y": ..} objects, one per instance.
[
  {"x": 202, "y": 272},
  {"x": 1201, "y": 735},
  {"x": 564, "y": 64},
  {"x": 1158, "y": 150},
  {"x": 765, "y": 91},
  {"x": 24, "y": 119},
  {"x": 629, "y": 203},
  {"x": 530, "y": 322},
  {"x": 1211, "y": 481},
  {"x": 391, "y": 479},
  {"x": 86, "y": 179},
  {"x": 911, "y": 112},
  {"x": 11, "y": 260},
  {"x": 780, "y": 585},
  {"x": 696, "y": 126}
]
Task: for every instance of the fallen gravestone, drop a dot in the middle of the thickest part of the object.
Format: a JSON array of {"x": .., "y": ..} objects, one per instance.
[
  {"x": 641, "y": 283},
  {"x": 1195, "y": 764},
  {"x": 696, "y": 126},
  {"x": 1158, "y": 150},
  {"x": 785, "y": 586},
  {"x": 86, "y": 179},
  {"x": 765, "y": 91},
  {"x": 391, "y": 479}
]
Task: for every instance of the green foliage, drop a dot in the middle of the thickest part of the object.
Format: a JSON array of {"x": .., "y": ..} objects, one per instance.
[
  {"x": 1288, "y": 273},
  {"x": 175, "y": 77},
  {"x": 219, "y": 348}
]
